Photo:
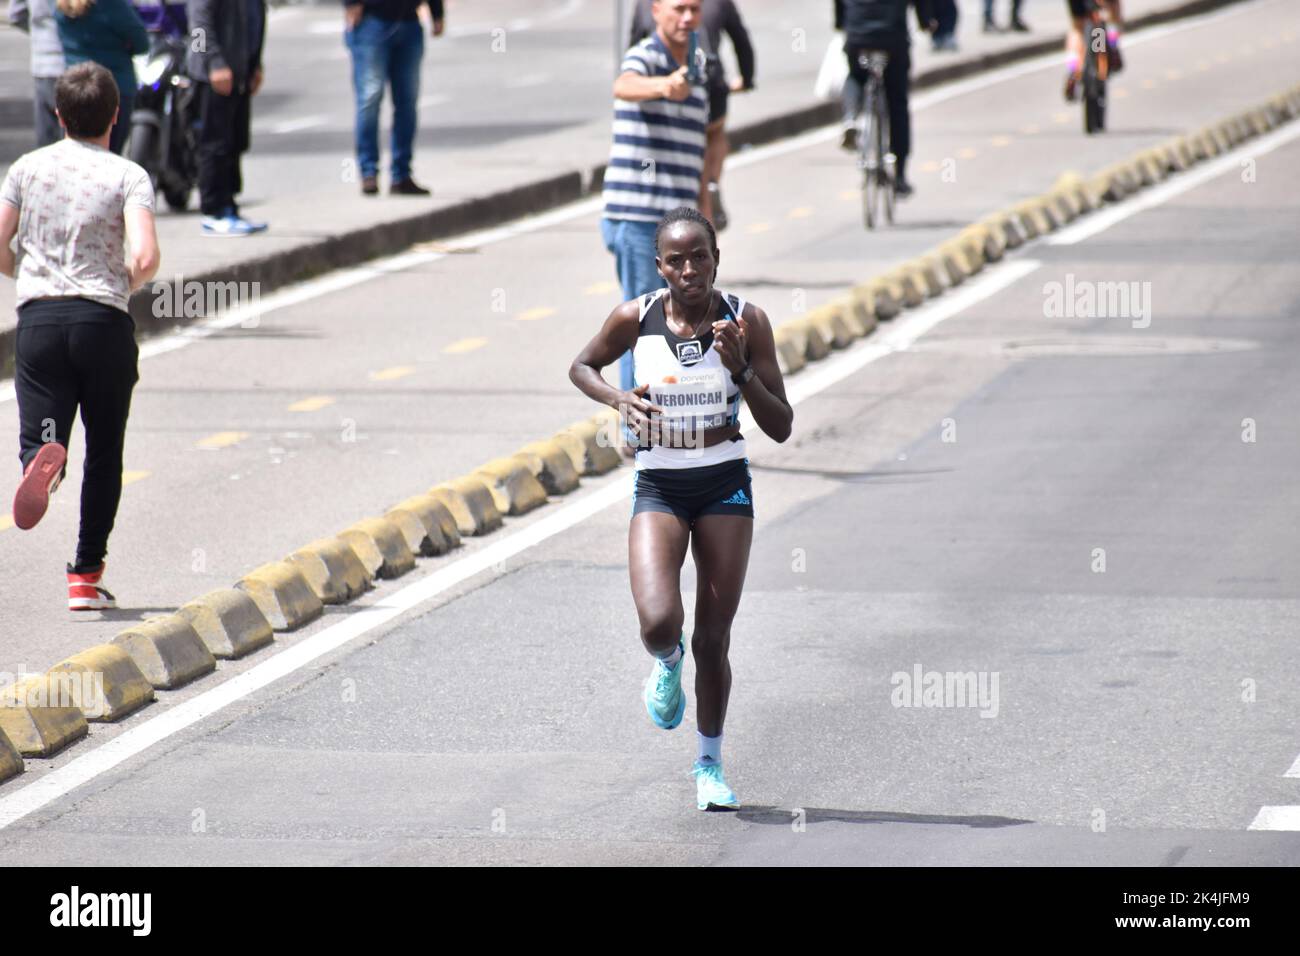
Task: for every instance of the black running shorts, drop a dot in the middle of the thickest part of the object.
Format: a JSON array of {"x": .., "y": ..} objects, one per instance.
[{"x": 688, "y": 493}]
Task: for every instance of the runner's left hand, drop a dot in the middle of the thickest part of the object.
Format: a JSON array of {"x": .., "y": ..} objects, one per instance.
[{"x": 729, "y": 339}]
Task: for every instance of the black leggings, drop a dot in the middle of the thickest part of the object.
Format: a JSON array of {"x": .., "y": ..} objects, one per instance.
[
  {"x": 77, "y": 353},
  {"x": 896, "y": 82}
]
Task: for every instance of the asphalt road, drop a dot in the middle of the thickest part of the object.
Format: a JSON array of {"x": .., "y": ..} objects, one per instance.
[{"x": 492, "y": 723}]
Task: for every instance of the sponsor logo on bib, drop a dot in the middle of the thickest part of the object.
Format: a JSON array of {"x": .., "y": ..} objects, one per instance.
[{"x": 689, "y": 353}]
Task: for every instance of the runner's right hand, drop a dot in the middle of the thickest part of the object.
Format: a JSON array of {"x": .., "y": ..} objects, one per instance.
[{"x": 636, "y": 411}]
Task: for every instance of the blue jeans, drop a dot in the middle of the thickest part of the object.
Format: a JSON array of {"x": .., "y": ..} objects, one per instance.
[
  {"x": 633, "y": 245},
  {"x": 385, "y": 52}
]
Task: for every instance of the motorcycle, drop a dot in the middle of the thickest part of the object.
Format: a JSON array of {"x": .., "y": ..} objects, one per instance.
[{"x": 163, "y": 138}]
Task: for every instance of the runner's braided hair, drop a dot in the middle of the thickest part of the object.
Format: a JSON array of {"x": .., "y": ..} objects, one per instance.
[{"x": 686, "y": 214}]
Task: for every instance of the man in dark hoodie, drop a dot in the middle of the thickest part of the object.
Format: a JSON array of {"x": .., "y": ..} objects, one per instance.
[
  {"x": 881, "y": 25},
  {"x": 225, "y": 61}
]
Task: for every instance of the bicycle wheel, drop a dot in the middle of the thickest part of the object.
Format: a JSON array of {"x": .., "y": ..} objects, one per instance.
[
  {"x": 1094, "y": 82},
  {"x": 868, "y": 161},
  {"x": 886, "y": 162}
]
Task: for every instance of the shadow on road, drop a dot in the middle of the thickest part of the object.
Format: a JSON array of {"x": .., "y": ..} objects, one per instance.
[{"x": 777, "y": 816}]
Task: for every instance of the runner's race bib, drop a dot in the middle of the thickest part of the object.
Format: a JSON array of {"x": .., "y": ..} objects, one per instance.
[{"x": 692, "y": 401}]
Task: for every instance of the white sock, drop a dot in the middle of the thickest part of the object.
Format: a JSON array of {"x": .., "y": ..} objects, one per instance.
[
  {"x": 710, "y": 749},
  {"x": 671, "y": 660}
]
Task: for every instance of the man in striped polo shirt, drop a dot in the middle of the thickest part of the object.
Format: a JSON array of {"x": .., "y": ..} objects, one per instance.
[{"x": 656, "y": 162}]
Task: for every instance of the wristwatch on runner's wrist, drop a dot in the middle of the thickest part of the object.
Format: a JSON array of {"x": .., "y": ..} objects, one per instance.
[{"x": 742, "y": 377}]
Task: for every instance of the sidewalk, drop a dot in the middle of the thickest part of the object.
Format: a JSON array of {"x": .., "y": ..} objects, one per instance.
[{"x": 330, "y": 225}]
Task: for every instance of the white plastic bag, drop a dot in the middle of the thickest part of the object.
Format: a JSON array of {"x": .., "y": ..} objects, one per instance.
[{"x": 834, "y": 71}]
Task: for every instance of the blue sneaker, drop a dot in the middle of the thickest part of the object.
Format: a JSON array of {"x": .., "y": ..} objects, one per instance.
[
  {"x": 231, "y": 224},
  {"x": 711, "y": 791},
  {"x": 665, "y": 701}
]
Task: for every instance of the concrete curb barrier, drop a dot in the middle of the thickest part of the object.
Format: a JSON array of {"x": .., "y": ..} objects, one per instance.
[
  {"x": 551, "y": 466},
  {"x": 106, "y": 683},
  {"x": 229, "y": 622},
  {"x": 167, "y": 650},
  {"x": 381, "y": 546},
  {"x": 807, "y": 338},
  {"x": 440, "y": 531},
  {"x": 790, "y": 356},
  {"x": 470, "y": 503},
  {"x": 35, "y": 719},
  {"x": 11, "y": 761},
  {"x": 831, "y": 325},
  {"x": 333, "y": 570},
  {"x": 860, "y": 319},
  {"x": 513, "y": 487},
  {"x": 884, "y": 305},
  {"x": 592, "y": 447},
  {"x": 282, "y": 594}
]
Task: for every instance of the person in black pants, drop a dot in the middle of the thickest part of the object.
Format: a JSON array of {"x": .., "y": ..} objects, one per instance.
[
  {"x": 227, "y": 69},
  {"x": 881, "y": 25},
  {"x": 69, "y": 205},
  {"x": 944, "y": 35}
]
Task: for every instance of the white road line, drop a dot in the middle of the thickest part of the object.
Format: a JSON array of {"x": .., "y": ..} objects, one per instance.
[
  {"x": 1294, "y": 772},
  {"x": 1276, "y": 818},
  {"x": 1096, "y": 222}
]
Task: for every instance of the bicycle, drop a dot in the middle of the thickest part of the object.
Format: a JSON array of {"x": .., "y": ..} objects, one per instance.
[
  {"x": 874, "y": 158},
  {"x": 1096, "y": 70}
]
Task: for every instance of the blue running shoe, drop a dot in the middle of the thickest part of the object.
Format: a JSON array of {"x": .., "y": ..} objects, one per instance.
[
  {"x": 711, "y": 791},
  {"x": 665, "y": 701}
]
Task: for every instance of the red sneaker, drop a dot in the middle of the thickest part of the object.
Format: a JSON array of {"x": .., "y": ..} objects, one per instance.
[
  {"x": 86, "y": 593},
  {"x": 42, "y": 476}
]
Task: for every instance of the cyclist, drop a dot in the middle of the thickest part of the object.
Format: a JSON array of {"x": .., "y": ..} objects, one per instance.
[
  {"x": 1079, "y": 11},
  {"x": 698, "y": 351},
  {"x": 881, "y": 25}
]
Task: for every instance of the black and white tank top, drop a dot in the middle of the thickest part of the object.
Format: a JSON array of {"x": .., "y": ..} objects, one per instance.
[{"x": 689, "y": 382}]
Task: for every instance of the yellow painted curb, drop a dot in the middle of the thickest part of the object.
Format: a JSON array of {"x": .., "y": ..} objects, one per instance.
[
  {"x": 470, "y": 503},
  {"x": 857, "y": 314},
  {"x": 883, "y": 303},
  {"x": 808, "y": 338},
  {"x": 963, "y": 255},
  {"x": 282, "y": 594},
  {"x": 513, "y": 487},
  {"x": 989, "y": 243},
  {"x": 1033, "y": 218},
  {"x": 943, "y": 267},
  {"x": 167, "y": 650},
  {"x": 11, "y": 762},
  {"x": 832, "y": 326},
  {"x": 410, "y": 527},
  {"x": 103, "y": 682},
  {"x": 381, "y": 546},
  {"x": 789, "y": 350},
  {"x": 1008, "y": 227},
  {"x": 229, "y": 622},
  {"x": 334, "y": 570},
  {"x": 551, "y": 466},
  {"x": 599, "y": 447},
  {"x": 911, "y": 285},
  {"x": 925, "y": 275},
  {"x": 38, "y": 719},
  {"x": 441, "y": 533}
]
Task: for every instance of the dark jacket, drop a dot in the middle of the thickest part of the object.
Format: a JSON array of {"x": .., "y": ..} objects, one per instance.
[
  {"x": 397, "y": 9},
  {"x": 879, "y": 24},
  {"x": 226, "y": 34},
  {"x": 109, "y": 33},
  {"x": 718, "y": 16}
]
